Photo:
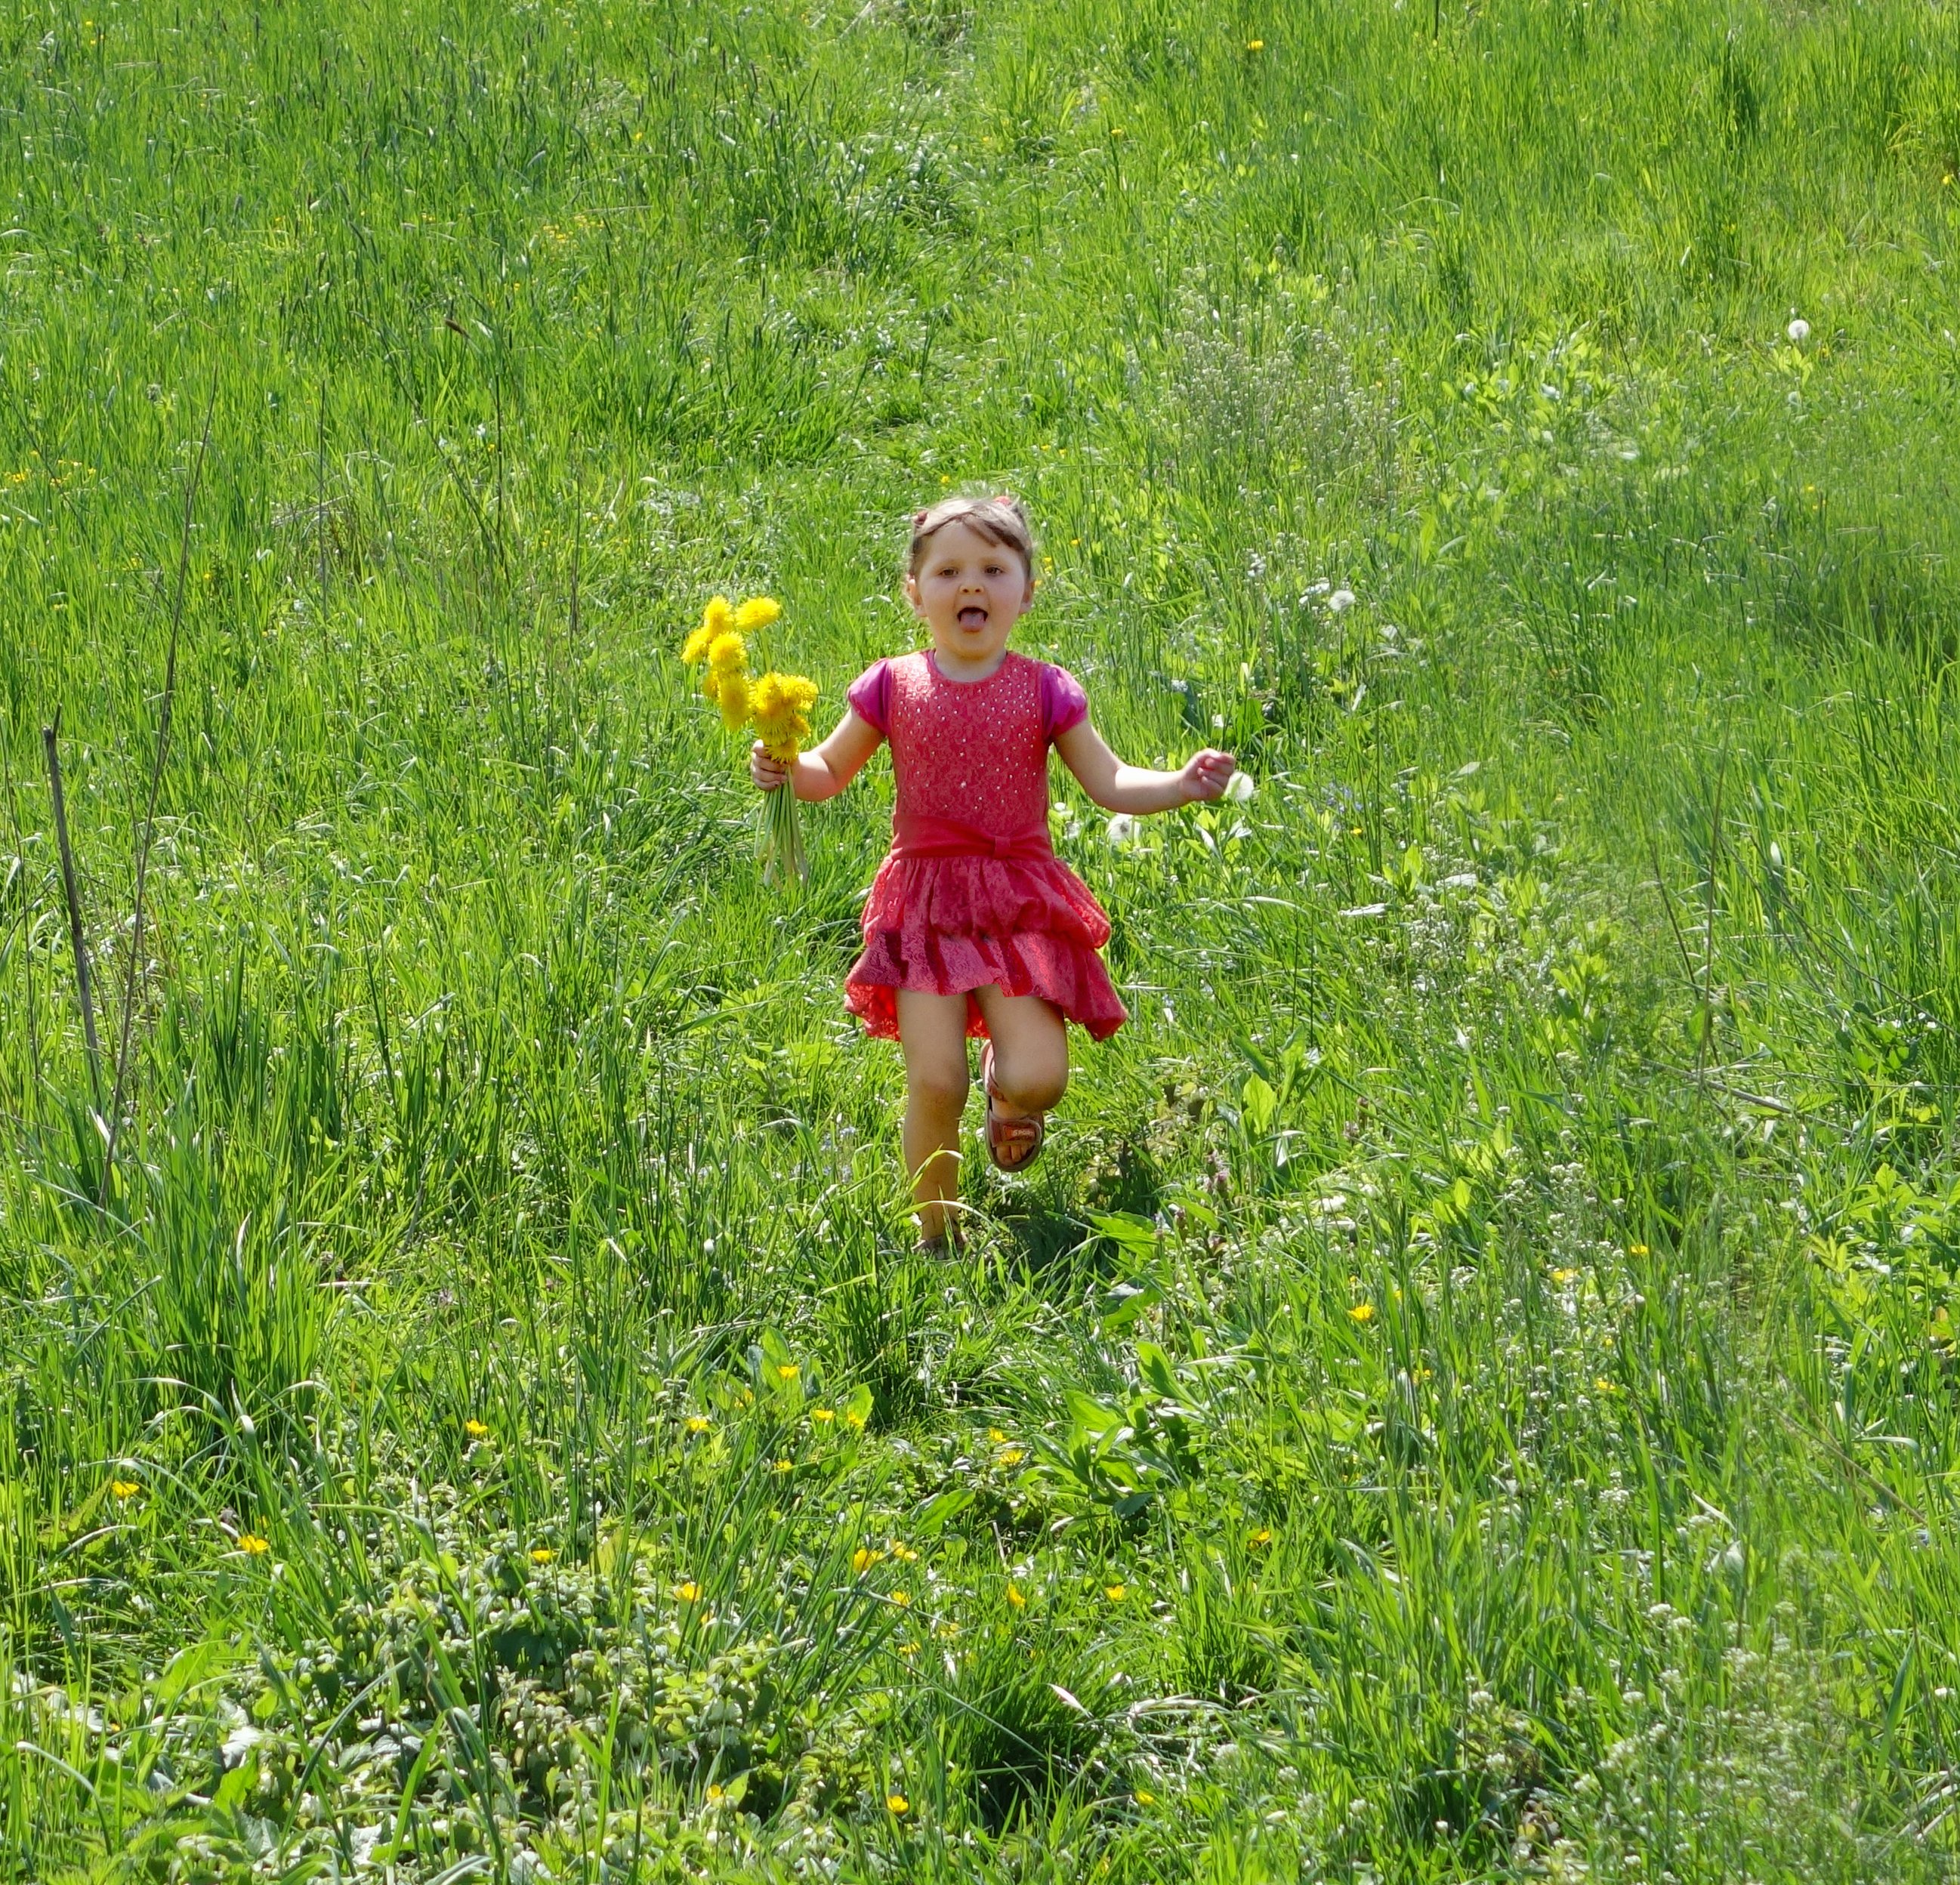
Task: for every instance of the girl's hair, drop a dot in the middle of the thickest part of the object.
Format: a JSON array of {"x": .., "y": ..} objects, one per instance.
[{"x": 999, "y": 520}]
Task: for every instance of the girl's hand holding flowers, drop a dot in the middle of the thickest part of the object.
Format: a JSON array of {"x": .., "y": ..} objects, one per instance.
[
  {"x": 769, "y": 774},
  {"x": 1206, "y": 775}
]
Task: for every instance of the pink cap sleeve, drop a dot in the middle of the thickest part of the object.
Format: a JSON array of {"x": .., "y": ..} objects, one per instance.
[
  {"x": 1063, "y": 704},
  {"x": 870, "y": 697}
]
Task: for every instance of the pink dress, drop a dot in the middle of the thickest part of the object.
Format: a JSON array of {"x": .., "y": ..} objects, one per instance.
[{"x": 973, "y": 892}]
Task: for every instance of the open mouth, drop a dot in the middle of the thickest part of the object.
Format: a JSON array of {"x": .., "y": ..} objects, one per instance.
[{"x": 972, "y": 616}]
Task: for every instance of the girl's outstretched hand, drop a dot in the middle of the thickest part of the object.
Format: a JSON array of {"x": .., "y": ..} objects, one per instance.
[
  {"x": 769, "y": 774},
  {"x": 1207, "y": 774}
]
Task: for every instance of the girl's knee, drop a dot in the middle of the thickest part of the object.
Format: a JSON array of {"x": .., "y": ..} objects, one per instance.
[
  {"x": 1035, "y": 1086},
  {"x": 943, "y": 1088}
]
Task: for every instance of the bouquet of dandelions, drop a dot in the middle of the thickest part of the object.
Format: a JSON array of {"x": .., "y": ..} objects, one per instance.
[{"x": 777, "y": 705}]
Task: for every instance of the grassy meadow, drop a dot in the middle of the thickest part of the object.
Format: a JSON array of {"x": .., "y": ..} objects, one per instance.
[{"x": 1471, "y": 1391}]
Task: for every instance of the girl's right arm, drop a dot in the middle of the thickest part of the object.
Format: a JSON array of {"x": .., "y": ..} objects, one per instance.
[{"x": 825, "y": 771}]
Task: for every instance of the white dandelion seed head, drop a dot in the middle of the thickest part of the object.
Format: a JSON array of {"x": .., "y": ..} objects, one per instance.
[
  {"x": 1799, "y": 330},
  {"x": 1122, "y": 829},
  {"x": 1341, "y": 599},
  {"x": 1240, "y": 787}
]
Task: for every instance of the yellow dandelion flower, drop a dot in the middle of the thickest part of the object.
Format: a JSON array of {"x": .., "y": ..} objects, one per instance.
[
  {"x": 1115, "y": 1592},
  {"x": 476, "y": 1429},
  {"x": 788, "y": 1371},
  {"x": 1256, "y": 46},
  {"x": 716, "y": 619},
  {"x": 1011, "y": 1456},
  {"x": 864, "y": 1558},
  {"x": 732, "y": 697},
  {"x": 1362, "y": 1312},
  {"x": 699, "y": 1424},
  {"x": 1015, "y": 1598},
  {"x": 903, "y": 1599},
  {"x": 897, "y": 1804},
  {"x": 780, "y": 705},
  {"x": 855, "y": 1417},
  {"x": 999, "y": 1438},
  {"x": 909, "y": 1649},
  {"x": 1637, "y": 1249},
  {"x": 124, "y": 1489},
  {"x": 253, "y": 1545},
  {"x": 1261, "y": 1538},
  {"x": 786, "y": 1466},
  {"x": 1144, "y": 1797},
  {"x": 687, "y": 1593},
  {"x": 727, "y": 654},
  {"x": 825, "y": 1414},
  {"x": 904, "y": 1554},
  {"x": 757, "y": 613}
]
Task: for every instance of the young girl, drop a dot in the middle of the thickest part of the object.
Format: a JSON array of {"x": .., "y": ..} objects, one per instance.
[{"x": 973, "y": 925}]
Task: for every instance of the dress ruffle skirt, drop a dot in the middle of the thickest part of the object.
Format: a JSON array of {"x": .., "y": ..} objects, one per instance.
[{"x": 951, "y": 924}]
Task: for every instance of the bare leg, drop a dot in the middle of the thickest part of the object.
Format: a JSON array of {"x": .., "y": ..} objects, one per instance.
[
  {"x": 1030, "y": 1052},
  {"x": 932, "y": 1031}
]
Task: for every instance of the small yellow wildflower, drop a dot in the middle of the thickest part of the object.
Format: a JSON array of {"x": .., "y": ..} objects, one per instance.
[
  {"x": 1010, "y": 1456},
  {"x": 999, "y": 1438},
  {"x": 542, "y": 1554},
  {"x": 1601, "y": 1385},
  {"x": 757, "y": 613},
  {"x": 855, "y": 1418},
  {"x": 476, "y": 1429},
  {"x": 909, "y": 1649},
  {"x": 699, "y": 1424},
  {"x": 864, "y": 1558},
  {"x": 904, "y": 1554},
  {"x": 788, "y": 1371},
  {"x": 1362, "y": 1312},
  {"x": 253, "y": 1545},
  {"x": 1256, "y": 46},
  {"x": 1564, "y": 1278},
  {"x": 687, "y": 1593},
  {"x": 1261, "y": 1538},
  {"x": 825, "y": 1414},
  {"x": 1015, "y": 1597},
  {"x": 1637, "y": 1249},
  {"x": 786, "y": 1466},
  {"x": 898, "y": 1804},
  {"x": 1115, "y": 1592},
  {"x": 903, "y": 1599},
  {"x": 715, "y": 1794},
  {"x": 124, "y": 1489},
  {"x": 1144, "y": 1797}
]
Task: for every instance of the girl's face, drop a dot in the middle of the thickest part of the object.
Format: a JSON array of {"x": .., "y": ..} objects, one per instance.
[{"x": 970, "y": 594}]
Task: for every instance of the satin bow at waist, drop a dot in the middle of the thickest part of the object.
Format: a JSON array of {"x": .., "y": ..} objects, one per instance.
[{"x": 918, "y": 837}]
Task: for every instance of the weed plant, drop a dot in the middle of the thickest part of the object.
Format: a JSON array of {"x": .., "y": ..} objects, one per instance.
[{"x": 1470, "y": 1392}]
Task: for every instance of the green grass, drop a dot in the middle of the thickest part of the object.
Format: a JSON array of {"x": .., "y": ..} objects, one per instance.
[{"x": 1471, "y": 1392}]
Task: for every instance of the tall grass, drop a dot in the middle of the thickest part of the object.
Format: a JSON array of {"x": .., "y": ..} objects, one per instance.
[{"x": 1469, "y": 1392}]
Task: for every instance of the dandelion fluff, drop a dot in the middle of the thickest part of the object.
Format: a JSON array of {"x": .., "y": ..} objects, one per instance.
[
  {"x": 1240, "y": 787},
  {"x": 1798, "y": 331}
]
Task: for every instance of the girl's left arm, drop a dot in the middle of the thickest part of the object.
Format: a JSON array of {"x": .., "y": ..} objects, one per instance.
[{"x": 1117, "y": 787}]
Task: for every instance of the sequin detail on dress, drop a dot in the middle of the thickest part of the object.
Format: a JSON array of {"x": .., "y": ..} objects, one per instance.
[{"x": 970, "y": 761}]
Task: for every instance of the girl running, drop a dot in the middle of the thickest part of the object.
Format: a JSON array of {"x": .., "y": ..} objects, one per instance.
[{"x": 974, "y": 926}]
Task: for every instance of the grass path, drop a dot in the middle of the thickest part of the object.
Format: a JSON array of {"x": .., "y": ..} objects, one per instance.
[{"x": 1469, "y": 1392}]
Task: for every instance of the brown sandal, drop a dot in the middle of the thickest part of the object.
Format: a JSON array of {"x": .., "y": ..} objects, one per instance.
[{"x": 1013, "y": 1144}]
